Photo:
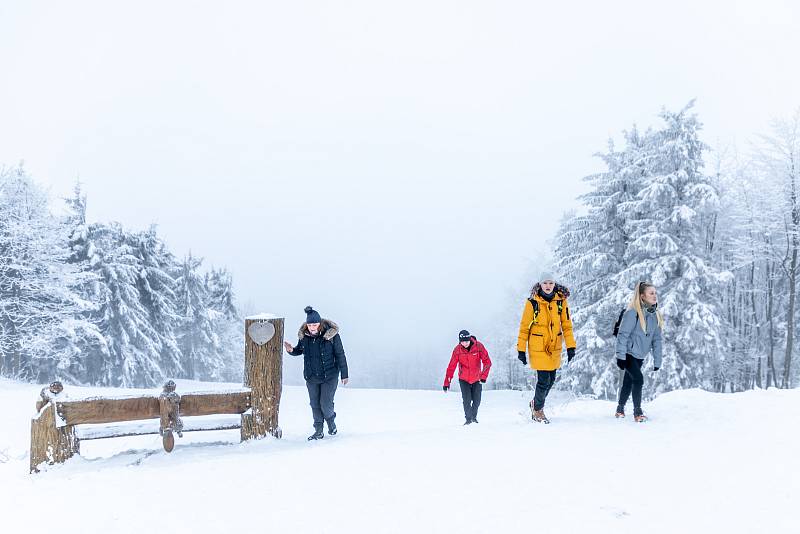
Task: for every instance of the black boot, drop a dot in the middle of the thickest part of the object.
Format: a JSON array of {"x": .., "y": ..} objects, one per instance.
[
  {"x": 332, "y": 425},
  {"x": 318, "y": 433}
]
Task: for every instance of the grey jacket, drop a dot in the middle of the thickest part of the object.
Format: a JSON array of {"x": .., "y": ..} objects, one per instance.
[{"x": 631, "y": 340}]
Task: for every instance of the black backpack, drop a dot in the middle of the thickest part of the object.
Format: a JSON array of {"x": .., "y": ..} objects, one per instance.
[
  {"x": 619, "y": 321},
  {"x": 559, "y": 305}
]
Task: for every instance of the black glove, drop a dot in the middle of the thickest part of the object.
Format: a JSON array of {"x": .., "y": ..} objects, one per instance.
[
  {"x": 445, "y": 388},
  {"x": 570, "y": 354},
  {"x": 656, "y": 368},
  {"x": 621, "y": 364},
  {"x": 483, "y": 381},
  {"x": 522, "y": 358}
]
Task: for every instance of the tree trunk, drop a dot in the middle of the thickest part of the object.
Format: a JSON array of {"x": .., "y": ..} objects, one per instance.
[
  {"x": 263, "y": 369},
  {"x": 795, "y": 244},
  {"x": 772, "y": 374},
  {"x": 758, "y": 373},
  {"x": 787, "y": 362},
  {"x": 49, "y": 443}
]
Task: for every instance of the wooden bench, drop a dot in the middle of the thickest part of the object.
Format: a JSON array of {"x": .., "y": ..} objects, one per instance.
[{"x": 56, "y": 432}]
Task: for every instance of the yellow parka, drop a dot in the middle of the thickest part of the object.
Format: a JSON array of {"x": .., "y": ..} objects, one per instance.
[{"x": 543, "y": 334}]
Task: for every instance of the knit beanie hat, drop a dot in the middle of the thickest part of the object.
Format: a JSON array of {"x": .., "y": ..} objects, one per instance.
[
  {"x": 464, "y": 336},
  {"x": 312, "y": 316},
  {"x": 547, "y": 276}
]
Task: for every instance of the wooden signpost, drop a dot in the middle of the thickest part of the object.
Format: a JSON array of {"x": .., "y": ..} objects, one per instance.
[
  {"x": 54, "y": 437},
  {"x": 263, "y": 365}
]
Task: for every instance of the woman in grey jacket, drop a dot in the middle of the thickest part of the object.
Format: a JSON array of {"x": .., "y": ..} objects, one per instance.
[{"x": 639, "y": 333}]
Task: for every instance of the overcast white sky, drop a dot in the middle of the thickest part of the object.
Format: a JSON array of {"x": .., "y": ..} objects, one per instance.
[{"x": 395, "y": 164}]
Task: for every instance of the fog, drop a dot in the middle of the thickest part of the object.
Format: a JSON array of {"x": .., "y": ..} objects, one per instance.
[{"x": 399, "y": 166}]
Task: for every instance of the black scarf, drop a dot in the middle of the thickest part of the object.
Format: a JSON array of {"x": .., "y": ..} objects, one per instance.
[{"x": 545, "y": 296}]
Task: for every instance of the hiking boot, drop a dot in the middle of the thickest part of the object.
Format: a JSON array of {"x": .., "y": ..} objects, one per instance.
[
  {"x": 474, "y": 420},
  {"x": 318, "y": 433},
  {"x": 641, "y": 418},
  {"x": 468, "y": 422},
  {"x": 620, "y": 412},
  {"x": 332, "y": 427},
  {"x": 540, "y": 417}
]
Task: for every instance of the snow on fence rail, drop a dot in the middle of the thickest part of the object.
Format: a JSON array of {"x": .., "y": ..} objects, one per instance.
[{"x": 56, "y": 438}]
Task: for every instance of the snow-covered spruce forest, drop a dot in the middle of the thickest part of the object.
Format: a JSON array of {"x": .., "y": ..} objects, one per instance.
[
  {"x": 101, "y": 304},
  {"x": 717, "y": 231}
]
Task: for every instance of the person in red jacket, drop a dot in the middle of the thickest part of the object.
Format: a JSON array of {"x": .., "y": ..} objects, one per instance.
[{"x": 473, "y": 368}]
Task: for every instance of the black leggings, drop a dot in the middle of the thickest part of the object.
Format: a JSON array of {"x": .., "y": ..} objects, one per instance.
[
  {"x": 544, "y": 382},
  {"x": 633, "y": 381},
  {"x": 471, "y": 396}
]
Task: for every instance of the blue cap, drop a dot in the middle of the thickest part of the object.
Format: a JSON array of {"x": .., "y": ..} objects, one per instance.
[{"x": 312, "y": 315}]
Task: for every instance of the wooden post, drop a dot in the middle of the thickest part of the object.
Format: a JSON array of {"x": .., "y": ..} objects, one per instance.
[
  {"x": 263, "y": 370},
  {"x": 50, "y": 443},
  {"x": 169, "y": 403}
]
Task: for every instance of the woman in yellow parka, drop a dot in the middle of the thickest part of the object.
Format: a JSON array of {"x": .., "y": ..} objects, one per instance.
[{"x": 544, "y": 329}]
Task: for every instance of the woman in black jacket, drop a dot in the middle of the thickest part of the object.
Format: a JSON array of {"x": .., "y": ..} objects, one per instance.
[{"x": 323, "y": 362}]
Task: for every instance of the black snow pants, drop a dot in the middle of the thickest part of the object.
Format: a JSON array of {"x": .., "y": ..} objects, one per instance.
[
  {"x": 471, "y": 396},
  {"x": 544, "y": 382}
]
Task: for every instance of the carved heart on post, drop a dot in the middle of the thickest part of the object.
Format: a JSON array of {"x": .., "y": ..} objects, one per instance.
[{"x": 260, "y": 333}]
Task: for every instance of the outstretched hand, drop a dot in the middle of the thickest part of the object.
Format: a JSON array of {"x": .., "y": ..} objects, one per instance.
[{"x": 288, "y": 346}]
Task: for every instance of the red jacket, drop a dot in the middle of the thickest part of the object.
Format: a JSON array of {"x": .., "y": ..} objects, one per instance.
[{"x": 469, "y": 363}]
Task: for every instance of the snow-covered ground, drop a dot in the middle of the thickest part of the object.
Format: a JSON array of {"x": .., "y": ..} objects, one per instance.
[{"x": 403, "y": 463}]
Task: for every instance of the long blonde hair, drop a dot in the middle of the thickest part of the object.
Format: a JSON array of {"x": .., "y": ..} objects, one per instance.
[{"x": 636, "y": 304}]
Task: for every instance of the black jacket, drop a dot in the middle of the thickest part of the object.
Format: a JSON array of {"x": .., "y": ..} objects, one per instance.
[{"x": 323, "y": 354}]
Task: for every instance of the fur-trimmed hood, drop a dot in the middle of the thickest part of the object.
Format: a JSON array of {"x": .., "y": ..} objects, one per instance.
[
  {"x": 558, "y": 290},
  {"x": 327, "y": 328}
]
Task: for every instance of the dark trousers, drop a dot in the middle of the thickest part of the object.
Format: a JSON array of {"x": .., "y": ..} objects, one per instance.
[
  {"x": 632, "y": 382},
  {"x": 544, "y": 381},
  {"x": 320, "y": 396},
  {"x": 471, "y": 397}
]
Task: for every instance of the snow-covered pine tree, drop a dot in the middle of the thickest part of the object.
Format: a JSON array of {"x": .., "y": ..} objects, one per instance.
[
  {"x": 197, "y": 338},
  {"x": 156, "y": 287},
  {"x": 227, "y": 321},
  {"x": 42, "y": 330},
  {"x": 667, "y": 227},
  {"x": 590, "y": 254},
  {"x": 134, "y": 348},
  {"x": 84, "y": 255},
  {"x": 219, "y": 285}
]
